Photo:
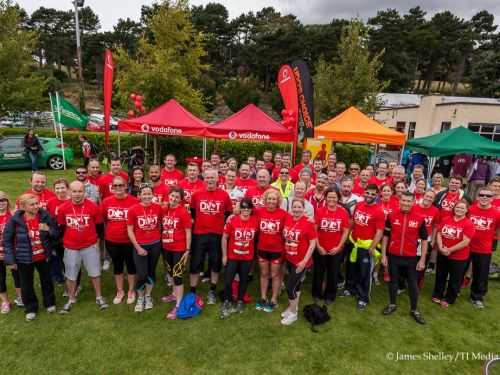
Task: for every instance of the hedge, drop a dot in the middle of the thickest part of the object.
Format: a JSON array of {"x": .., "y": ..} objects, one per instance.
[{"x": 183, "y": 147}]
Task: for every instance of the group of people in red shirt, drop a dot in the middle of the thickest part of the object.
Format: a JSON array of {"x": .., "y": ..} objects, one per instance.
[{"x": 347, "y": 225}]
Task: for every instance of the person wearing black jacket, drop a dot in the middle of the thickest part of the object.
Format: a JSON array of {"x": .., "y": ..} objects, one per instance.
[
  {"x": 32, "y": 147},
  {"x": 26, "y": 239}
]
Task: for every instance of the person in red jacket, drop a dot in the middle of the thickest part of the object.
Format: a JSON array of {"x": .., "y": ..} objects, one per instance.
[
  {"x": 486, "y": 220},
  {"x": 300, "y": 241},
  {"x": 81, "y": 222},
  {"x": 176, "y": 240},
  {"x": 403, "y": 230},
  {"x": 238, "y": 246},
  {"x": 270, "y": 248},
  {"x": 453, "y": 238},
  {"x": 332, "y": 226},
  {"x": 114, "y": 211},
  {"x": 209, "y": 207}
]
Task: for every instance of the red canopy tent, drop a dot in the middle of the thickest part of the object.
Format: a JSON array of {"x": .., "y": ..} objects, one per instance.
[
  {"x": 250, "y": 124},
  {"x": 168, "y": 119}
]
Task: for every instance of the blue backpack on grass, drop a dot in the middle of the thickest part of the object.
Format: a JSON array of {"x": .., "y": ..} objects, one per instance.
[{"x": 191, "y": 305}]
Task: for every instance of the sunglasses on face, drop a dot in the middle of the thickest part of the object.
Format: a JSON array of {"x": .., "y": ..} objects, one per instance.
[
  {"x": 245, "y": 208},
  {"x": 3, "y": 200},
  {"x": 118, "y": 185},
  {"x": 371, "y": 194},
  {"x": 485, "y": 196},
  {"x": 284, "y": 172},
  {"x": 81, "y": 172}
]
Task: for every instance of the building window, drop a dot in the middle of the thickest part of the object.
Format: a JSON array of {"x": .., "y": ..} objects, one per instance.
[
  {"x": 490, "y": 131},
  {"x": 400, "y": 126},
  {"x": 411, "y": 130},
  {"x": 445, "y": 125}
]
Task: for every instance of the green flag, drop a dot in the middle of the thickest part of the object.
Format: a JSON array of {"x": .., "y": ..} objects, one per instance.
[{"x": 66, "y": 114}]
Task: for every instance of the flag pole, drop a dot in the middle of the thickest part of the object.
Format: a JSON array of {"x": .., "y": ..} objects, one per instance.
[
  {"x": 53, "y": 114},
  {"x": 60, "y": 128}
]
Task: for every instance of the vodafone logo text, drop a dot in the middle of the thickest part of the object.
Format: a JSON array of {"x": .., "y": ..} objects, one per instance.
[
  {"x": 146, "y": 128},
  {"x": 249, "y": 136}
]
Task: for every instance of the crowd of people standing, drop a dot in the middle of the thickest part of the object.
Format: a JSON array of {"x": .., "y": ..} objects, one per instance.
[{"x": 353, "y": 227}]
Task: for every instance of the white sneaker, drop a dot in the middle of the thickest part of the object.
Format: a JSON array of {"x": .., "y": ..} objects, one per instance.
[
  {"x": 139, "y": 306},
  {"x": 101, "y": 302},
  {"x": 51, "y": 309},
  {"x": 286, "y": 312},
  {"x": 19, "y": 302},
  {"x": 130, "y": 297},
  {"x": 148, "y": 303},
  {"x": 118, "y": 298},
  {"x": 289, "y": 319},
  {"x": 105, "y": 265},
  {"x": 30, "y": 317}
]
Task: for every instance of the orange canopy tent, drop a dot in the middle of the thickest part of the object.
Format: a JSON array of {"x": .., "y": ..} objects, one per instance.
[{"x": 352, "y": 125}]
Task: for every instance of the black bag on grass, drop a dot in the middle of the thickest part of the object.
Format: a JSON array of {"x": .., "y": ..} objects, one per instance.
[{"x": 316, "y": 315}]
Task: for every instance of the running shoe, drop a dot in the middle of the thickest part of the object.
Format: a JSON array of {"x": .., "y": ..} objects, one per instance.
[
  {"x": 51, "y": 309},
  {"x": 286, "y": 312},
  {"x": 417, "y": 316},
  {"x": 445, "y": 304},
  {"x": 105, "y": 265},
  {"x": 289, "y": 319},
  {"x": 436, "y": 300},
  {"x": 361, "y": 305},
  {"x": 340, "y": 285},
  {"x": 430, "y": 268},
  {"x": 67, "y": 307},
  {"x": 119, "y": 297},
  {"x": 148, "y": 303},
  {"x": 172, "y": 314},
  {"x": 101, "y": 302},
  {"x": 19, "y": 302},
  {"x": 240, "y": 307},
  {"x": 130, "y": 297},
  {"x": 477, "y": 304},
  {"x": 30, "y": 317},
  {"x": 346, "y": 293},
  {"x": 212, "y": 297},
  {"x": 389, "y": 309},
  {"x": 139, "y": 306},
  {"x": 5, "y": 309},
  {"x": 270, "y": 307},
  {"x": 260, "y": 304},
  {"x": 225, "y": 310},
  {"x": 169, "y": 298}
]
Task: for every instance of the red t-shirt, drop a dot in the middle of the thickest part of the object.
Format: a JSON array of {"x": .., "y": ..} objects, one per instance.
[
  {"x": 146, "y": 222},
  {"x": 174, "y": 224},
  {"x": 486, "y": 223},
  {"x": 160, "y": 193},
  {"x": 330, "y": 224},
  {"x": 317, "y": 203},
  {"x": 255, "y": 194},
  {"x": 269, "y": 166},
  {"x": 43, "y": 197},
  {"x": 37, "y": 250},
  {"x": 105, "y": 183},
  {"x": 94, "y": 180},
  {"x": 453, "y": 232},
  {"x": 3, "y": 220},
  {"x": 379, "y": 182},
  {"x": 270, "y": 228},
  {"x": 171, "y": 178},
  {"x": 461, "y": 163},
  {"x": 246, "y": 184},
  {"x": 448, "y": 203},
  {"x": 430, "y": 215},
  {"x": 496, "y": 203},
  {"x": 189, "y": 188},
  {"x": 367, "y": 219},
  {"x": 210, "y": 208},
  {"x": 241, "y": 237},
  {"x": 80, "y": 221},
  {"x": 389, "y": 207},
  {"x": 357, "y": 188},
  {"x": 297, "y": 234},
  {"x": 115, "y": 214},
  {"x": 53, "y": 205}
]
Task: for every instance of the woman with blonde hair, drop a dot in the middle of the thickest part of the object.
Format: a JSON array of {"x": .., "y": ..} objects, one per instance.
[{"x": 5, "y": 215}]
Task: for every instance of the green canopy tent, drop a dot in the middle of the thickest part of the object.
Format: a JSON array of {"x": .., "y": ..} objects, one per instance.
[{"x": 458, "y": 140}]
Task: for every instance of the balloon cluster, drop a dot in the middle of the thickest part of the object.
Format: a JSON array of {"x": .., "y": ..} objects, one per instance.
[
  {"x": 289, "y": 118},
  {"x": 139, "y": 108}
]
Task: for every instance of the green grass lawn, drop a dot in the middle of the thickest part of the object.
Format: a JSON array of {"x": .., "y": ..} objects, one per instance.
[{"x": 118, "y": 341}]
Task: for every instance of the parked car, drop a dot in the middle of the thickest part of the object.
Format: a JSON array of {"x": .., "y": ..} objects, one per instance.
[
  {"x": 13, "y": 155},
  {"x": 98, "y": 118}
]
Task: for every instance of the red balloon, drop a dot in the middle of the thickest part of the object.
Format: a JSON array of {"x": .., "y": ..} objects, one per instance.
[
  {"x": 133, "y": 96},
  {"x": 137, "y": 104},
  {"x": 283, "y": 112},
  {"x": 131, "y": 113},
  {"x": 139, "y": 98},
  {"x": 142, "y": 109}
]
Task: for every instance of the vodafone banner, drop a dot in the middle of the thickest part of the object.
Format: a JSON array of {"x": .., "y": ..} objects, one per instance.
[{"x": 288, "y": 89}]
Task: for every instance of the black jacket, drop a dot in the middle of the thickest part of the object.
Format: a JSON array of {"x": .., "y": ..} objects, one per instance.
[{"x": 16, "y": 241}]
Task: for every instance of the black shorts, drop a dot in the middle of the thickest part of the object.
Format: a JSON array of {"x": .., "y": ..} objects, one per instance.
[
  {"x": 270, "y": 256},
  {"x": 3, "y": 277},
  {"x": 202, "y": 244},
  {"x": 172, "y": 258},
  {"x": 121, "y": 254}
]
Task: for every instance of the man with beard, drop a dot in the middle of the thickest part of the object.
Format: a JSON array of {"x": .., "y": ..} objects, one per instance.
[
  {"x": 160, "y": 189},
  {"x": 91, "y": 190},
  {"x": 243, "y": 181}
]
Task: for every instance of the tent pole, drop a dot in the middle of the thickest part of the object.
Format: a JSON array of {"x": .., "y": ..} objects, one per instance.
[
  {"x": 155, "y": 149},
  {"x": 119, "y": 146},
  {"x": 60, "y": 129},
  {"x": 204, "y": 150},
  {"x": 401, "y": 154}
]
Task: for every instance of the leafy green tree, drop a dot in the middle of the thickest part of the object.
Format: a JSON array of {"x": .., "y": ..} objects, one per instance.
[
  {"x": 485, "y": 72},
  {"x": 166, "y": 66},
  {"x": 21, "y": 87},
  {"x": 351, "y": 81},
  {"x": 238, "y": 92}
]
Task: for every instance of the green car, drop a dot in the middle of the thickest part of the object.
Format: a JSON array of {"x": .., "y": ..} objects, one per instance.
[{"x": 13, "y": 155}]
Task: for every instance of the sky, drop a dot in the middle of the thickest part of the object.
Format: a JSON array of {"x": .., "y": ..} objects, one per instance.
[{"x": 308, "y": 11}]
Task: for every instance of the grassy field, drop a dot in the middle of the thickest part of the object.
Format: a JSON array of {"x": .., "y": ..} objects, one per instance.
[{"x": 118, "y": 341}]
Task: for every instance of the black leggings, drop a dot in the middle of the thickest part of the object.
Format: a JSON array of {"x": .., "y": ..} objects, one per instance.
[
  {"x": 233, "y": 267},
  {"x": 146, "y": 265},
  {"x": 295, "y": 280},
  {"x": 26, "y": 275},
  {"x": 329, "y": 264},
  {"x": 121, "y": 254},
  {"x": 452, "y": 271},
  {"x": 172, "y": 258},
  {"x": 407, "y": 266},
  {"x": 3, "y": 277}
]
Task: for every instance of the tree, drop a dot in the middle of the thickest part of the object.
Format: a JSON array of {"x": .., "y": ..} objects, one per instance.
[
  {"x": 240, "y": 91},
  {"x": 166, "y": 66},
  {"x": 485, "y": 73},
  {"x": 351, "y": 81},
  {"x": 22, "y": 88}
]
